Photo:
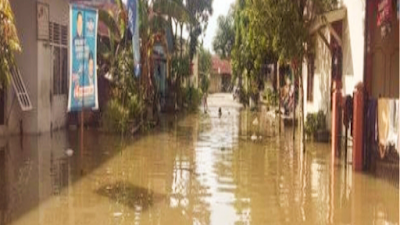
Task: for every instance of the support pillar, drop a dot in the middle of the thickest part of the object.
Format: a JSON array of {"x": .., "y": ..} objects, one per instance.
[
  {"x": 336, "y": 118},
  {"x": 358, "y": 126}
]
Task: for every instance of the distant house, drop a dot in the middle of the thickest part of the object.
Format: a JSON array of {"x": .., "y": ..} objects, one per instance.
[{"x": 221, "y": 75}]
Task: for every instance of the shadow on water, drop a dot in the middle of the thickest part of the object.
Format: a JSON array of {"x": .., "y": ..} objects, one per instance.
[{"x": 34, "y": 169}]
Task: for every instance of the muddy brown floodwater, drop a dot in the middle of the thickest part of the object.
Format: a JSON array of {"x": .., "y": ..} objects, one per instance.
[{"x": 197, "y": 169}]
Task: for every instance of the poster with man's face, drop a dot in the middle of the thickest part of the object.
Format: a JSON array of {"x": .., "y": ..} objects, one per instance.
[{"x": 83, "y": 45}]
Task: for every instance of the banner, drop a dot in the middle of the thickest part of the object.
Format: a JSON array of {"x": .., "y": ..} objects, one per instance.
[
  {"x": 133, "y": 14},
  {"x": 83, "y": 91}
]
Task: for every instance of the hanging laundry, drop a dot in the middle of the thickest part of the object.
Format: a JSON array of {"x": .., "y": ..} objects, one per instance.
[
  {"x": 383, "y": 124},
  {"x": 393, "y": 124}
]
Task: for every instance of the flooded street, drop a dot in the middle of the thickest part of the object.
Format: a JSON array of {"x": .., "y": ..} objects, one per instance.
[{"x": 193, "y": 169}]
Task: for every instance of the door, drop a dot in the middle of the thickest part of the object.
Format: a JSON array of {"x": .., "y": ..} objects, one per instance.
[{"x": 2, "y": 106}]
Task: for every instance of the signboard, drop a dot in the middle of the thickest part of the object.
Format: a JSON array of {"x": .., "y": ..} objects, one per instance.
[
  {"x": 82, "y": 57},
  {"x": 384, "y": 11},
  {"x": 43, "y": 15},
  {"x": 133, "y": 14}
]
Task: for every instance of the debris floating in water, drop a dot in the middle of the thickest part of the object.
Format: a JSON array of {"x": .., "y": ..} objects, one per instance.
[
  {"x": 69, "y": 152},
  {"x": 117, "y": 214}
]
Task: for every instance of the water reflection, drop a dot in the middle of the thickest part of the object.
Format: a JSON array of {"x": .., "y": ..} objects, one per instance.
[{"x": 200, "y": 169}]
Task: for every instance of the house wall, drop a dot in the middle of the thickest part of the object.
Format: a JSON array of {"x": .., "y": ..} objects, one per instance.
[
  {"x": 53, "y": 108},
  {"x": 25, "y": 19},
  {"x": 385, "y": 60},
  {"x": 353, "y": 45},
  {"x": 322, "y": 80},
  {"x": 352, "y": 65},
  {"x": 35, "y": 65}
]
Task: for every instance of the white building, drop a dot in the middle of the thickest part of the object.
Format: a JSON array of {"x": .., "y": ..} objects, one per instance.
[
  {"x": 346, "y": 28},
  {"x": 43, "y": 65}
]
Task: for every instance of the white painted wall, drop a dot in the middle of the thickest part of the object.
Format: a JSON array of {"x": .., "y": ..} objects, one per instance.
[
  {"x": 353, "y": 44},
  {"x": 322, "y": 80},
  {"x": 353, "y": 60}
]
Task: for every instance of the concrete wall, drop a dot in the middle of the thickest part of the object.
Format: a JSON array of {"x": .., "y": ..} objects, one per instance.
[
  {"x": 53, "y": 108},
  {"x": 353, "y": 60},
  {"x": 322, "y": 80},
  {"x": 27, "y": 60},
  {"x": 35, "y": 65}
]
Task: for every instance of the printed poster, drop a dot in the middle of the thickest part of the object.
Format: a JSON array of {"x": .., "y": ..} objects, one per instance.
[{"x": 83, "y": 90}]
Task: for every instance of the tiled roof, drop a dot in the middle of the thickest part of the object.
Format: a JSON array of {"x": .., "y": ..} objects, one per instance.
[{"x": 220, "y": 66}]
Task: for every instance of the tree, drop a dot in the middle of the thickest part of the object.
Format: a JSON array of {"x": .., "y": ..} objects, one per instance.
[
  {"x": 288, "y": 23},
  {"x": 201, "y": 10},
  {"x": 9, "y": 42},
  {"x": 205, "y": 67},
  {"x": 250, "y": 51},
  {"x": 225, "y": 37}
]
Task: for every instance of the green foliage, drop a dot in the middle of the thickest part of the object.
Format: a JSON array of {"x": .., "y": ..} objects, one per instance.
[
  {"x": 225, "y": 37},
  {"x": 271, "y": 97},
  {"x": 205, "y": 84},
  {"x": 180, "y": 67},
  {"x": 116, "y": 116},
  {"x": 201, "y": 10},
  {"x": 205, "y": 61},
  {"x": 9, "y": 42},
  {"x": 205, "y": 67},
  {"x": 314, "y": 123},
  {"x": 127, "y": 105},
  {"x": 192, "y": 97}
]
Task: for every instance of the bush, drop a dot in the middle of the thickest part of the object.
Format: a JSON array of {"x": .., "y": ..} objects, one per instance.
[
  {"x": 205, "y": 83},
  {"x": 192, "y": 97},
  {"x": 271, "y": 97},
  {"x": 314, "y": 123},
  {"x": 125, "y": 105},
  {"x": 115, "y": 117}
]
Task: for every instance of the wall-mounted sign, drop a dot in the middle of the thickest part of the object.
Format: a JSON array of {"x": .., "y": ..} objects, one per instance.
[
  {"x": 83, "y": 59},
  {"x": 43, "y": 16},
  {"x": 384, "y": 11}
]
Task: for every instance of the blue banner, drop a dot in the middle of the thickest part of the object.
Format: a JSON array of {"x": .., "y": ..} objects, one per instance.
[
  {"x": 83, "y": 91},
  {"x": 133, "y": 15}
]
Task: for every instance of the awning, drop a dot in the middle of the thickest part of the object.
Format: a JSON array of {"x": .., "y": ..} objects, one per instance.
[{"x": 327, "y": 19}]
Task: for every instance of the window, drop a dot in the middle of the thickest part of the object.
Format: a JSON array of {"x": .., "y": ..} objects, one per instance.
[
  {"x": 310, "y": 78},
  {"x": 59, "y": 46}
]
